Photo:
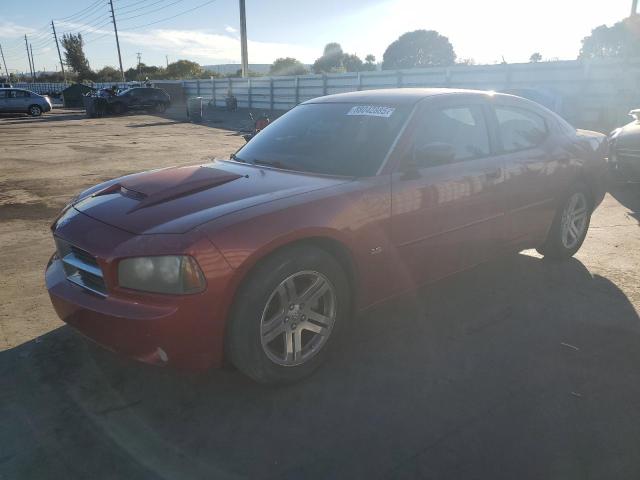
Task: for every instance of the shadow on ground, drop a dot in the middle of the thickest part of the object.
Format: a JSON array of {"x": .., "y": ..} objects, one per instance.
[
  {"x": 628, "y": 194},
  {"x": 517, "y": 369}
]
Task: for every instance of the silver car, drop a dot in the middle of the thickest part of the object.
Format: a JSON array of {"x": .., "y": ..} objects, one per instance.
[{"x": 18, "y": 100}]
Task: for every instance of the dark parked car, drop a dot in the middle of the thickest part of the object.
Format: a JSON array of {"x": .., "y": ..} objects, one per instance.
[
  {"x": 140, "y": 98},
  {"x": 625, "y": 149},
  {"x": 343, "y": 202},
  {"x": 18, "y": 100}
]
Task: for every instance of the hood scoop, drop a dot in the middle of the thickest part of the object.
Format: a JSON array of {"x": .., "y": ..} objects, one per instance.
[{"x": 161, "y": 186}]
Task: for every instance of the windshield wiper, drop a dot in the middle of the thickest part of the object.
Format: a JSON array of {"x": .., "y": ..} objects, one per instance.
[
  {"x": 233, "y": 156},
  {"x": 273, "y": 163}
]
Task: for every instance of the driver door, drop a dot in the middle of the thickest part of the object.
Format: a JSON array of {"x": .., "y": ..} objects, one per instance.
[{"x": 448, "y": 211}]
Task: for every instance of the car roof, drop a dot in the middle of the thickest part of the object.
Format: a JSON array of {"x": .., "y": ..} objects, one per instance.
[{"x": 393, "y": 96}]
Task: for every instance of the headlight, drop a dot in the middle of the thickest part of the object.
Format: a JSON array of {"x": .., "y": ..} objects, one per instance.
[{"x": 164, "y": 274}]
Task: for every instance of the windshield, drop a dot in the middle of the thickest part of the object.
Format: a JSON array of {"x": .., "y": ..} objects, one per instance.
[{"x": 328, "y": 138}]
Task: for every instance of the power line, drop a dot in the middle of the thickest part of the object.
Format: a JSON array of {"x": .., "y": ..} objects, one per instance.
[
  {"x": 126, "y": 11},
  {"x": 152, "y": 11},
  {"x": 128, "y": 29},
  {"x": 84, "y": 10}
]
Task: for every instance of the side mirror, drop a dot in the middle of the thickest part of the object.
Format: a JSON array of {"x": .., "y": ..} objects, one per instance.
[{"x": 431, "y": 154}]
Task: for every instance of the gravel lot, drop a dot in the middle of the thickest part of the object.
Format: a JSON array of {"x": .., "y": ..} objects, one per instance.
[{"x": 517, "y": 369}]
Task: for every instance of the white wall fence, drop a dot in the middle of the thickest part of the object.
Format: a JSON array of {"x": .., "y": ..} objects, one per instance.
[
  {"x": 595, "y": 94},
  {"x": 57, "y": 87}
]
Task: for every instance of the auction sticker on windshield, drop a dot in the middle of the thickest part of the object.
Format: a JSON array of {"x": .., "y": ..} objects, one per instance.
[{"x": 371, "y": 111}]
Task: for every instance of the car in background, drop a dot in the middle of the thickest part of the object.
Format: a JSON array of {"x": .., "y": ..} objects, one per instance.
[
  {"x": 18, "y": 100},
  {"x": 343, "y": 202},
  {"x": 625, "y": 150},
  {"x": 139, "y": 98}
]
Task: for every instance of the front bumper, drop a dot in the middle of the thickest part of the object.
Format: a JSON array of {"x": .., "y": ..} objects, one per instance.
[{"x": 184, "y": 331}]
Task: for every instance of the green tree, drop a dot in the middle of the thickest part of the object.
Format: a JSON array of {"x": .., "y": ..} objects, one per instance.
[
  {"x": 108, "y": 74},
  {"x": 369, "y": 63},
  {"x": 420, "y": 48},
  {"x": 287, "y": 66},
  {"x": 622, "y": 40},
  {"x": 331, "y": 60},
  {"x": 183, "y": 69},
  {"x": 535, "y": 57},
  {"x": 352, "y": 63},
  {"x": 74, "y": 55}
]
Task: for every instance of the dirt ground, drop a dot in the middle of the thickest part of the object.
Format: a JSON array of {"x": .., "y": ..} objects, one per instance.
[{"x": 517, "y": 369}]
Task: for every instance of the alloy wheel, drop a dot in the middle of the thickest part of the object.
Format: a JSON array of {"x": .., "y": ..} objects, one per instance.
[
  {"x": 298, "y": 318},
  {"x": 574, "y": 220}
]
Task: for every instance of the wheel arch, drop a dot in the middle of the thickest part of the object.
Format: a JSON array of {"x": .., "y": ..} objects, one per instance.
[
  {"x": 328, "y": 243},
  {"x": 35, "y": 105}
]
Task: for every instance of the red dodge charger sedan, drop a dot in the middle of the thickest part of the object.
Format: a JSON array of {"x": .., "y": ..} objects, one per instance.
[{"x": 343, "y": 202}]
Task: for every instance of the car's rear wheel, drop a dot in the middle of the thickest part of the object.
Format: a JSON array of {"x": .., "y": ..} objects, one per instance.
[
  {"x": 287, "y": 314},
  {"x": 35, "y": 110},
  {"x": 570, "y": 225}
]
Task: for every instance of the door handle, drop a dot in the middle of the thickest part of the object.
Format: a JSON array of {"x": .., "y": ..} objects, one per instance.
[{"x": 493, "y": 174}]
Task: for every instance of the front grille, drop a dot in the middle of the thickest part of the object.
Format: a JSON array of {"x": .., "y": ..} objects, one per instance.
[{"x": 81, "y": 268}]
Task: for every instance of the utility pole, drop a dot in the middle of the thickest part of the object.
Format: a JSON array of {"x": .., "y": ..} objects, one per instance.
[
  {"x": 243, "y": 40},
  {"x": 4, "y": 63},
  {"x": 33, "y": 62},
  {"x": 115, "y": 29},
  {"x": 167, "y": 57},
  {"x": 53, "y": 27},
  {"x": 634, "y": 7},
  {"x": 26, "y": 44},
  {"x": 139, "y": 55}
]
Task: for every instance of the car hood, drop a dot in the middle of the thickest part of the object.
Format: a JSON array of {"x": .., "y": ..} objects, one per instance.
[
  {"x": 177, "y": 199},
  {"x": 629, "y": 136}
]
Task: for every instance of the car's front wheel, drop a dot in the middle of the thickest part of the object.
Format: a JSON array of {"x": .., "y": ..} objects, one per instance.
[
  {"x": 35, "y": 110},
  {"x": 570, "y": 225},
  {"x": 286, "y": 315}
]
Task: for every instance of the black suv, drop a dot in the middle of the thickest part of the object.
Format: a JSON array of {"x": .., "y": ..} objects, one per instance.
[{"x": 140, "y": 98}]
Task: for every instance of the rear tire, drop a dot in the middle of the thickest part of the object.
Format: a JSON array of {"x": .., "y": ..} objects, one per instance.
[
  {"x": 287, "y": 315},
  {"x": 35, "y": 110},
  {"x": 160, "y": 107},
  {"x": 570, "y": 225}
]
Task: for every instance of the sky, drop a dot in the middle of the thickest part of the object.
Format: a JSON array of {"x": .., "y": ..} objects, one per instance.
[{"x": 207, "y": 31}]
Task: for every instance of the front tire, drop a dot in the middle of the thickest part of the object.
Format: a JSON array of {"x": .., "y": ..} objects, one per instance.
[
  {"x": 35, "y": 110},
  {"x": 287, "y": 314},
  {"x": 570, "y": 225}
]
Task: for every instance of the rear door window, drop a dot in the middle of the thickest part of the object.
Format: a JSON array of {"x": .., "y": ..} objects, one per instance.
[{"x": 519, "y": 128}]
